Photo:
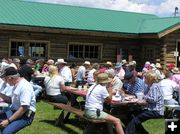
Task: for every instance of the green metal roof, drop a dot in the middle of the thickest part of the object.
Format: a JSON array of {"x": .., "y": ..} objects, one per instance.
[
  {"x": 17, "y": 12},
  {"x": 159, "y": 25}
]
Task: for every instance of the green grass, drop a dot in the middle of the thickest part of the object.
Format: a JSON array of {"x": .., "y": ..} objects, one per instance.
[{"x": 46, "y": 115}]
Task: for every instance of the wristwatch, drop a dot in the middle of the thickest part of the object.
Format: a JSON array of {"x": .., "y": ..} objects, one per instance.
[{"x": 9, "y": 121}]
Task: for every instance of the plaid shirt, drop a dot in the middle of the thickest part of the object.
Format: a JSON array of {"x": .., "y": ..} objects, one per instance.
[
  {"x": 138, "y": 86},
  {"x": 155, "y": 99}
]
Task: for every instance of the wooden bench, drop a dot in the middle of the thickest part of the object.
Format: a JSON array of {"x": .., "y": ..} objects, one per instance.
[
  {"x": 92, "y": 125},
  {"x": 76, "y": 111}
]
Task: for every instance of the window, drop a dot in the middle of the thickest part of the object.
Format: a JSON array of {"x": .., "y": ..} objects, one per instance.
[
  {"x": 28, "y": 49},
  {"x": 37, "y": 49},
  {"x": 17, "y": 48},
  {"x": 84, "y": 51},
  {"x": 149, "y": 54}
]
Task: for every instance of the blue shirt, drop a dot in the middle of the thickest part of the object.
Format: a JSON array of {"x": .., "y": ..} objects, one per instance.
[
  {"x": 136, "y": 87},
  {"x": 155, "y": 99}
]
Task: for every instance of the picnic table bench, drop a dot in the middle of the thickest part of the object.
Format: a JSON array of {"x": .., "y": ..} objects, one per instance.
[{"x": 67, "y": 109}]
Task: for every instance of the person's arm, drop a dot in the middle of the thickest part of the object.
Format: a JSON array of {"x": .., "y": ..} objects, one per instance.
[
  {"x": 109, "y": 88},
  {"x": 19, "y": 113},
  {"x": 6, "y": 98},
  {"x": 62, "y": 87}
]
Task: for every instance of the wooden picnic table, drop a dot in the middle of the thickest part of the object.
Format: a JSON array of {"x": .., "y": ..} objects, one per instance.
[{"x": 76, "y": 91}]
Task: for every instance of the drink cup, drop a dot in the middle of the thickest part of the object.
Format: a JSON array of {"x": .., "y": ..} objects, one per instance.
[
  {"x": 80, "y": 87},
  {"x": 140, "y": 96}
]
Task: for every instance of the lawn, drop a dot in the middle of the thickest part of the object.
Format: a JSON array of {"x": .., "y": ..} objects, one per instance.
[{"x": 46, "y": 115}]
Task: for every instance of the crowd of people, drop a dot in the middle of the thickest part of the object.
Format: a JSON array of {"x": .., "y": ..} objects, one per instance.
[{"x": 104, "y": 80}]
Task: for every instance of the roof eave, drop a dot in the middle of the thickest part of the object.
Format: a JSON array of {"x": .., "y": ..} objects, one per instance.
[
  {"x": 66, "y": 31},
  {"x": 168, "y": 31}
]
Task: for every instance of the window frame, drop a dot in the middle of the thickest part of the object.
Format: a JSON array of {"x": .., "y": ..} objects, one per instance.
[
  {"x": 27, "y": 47},
  {"x": 100, "y": 48},
  {"x": 145, "y": 50}
]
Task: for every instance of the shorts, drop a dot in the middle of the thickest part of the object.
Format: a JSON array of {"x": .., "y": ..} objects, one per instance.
[{"x": 92, "y": 114}]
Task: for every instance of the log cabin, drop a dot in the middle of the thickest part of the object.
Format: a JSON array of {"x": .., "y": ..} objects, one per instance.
[{"x": 42, "y": 30}]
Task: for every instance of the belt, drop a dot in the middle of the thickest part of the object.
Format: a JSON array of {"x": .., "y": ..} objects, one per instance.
[{"x": 29, "y": 113}]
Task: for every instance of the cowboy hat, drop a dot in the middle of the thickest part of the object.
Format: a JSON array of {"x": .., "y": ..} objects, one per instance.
[
  {"x": 60, "y": 61},
  {"x": 175, "y": 70},
  {"x": 158, "y": 65},
  {"x": 103, "y": 78},
  {"x": 124, "y": 62},
  {"x": 87, "y": 63},
  {"x": 109, "y": 63}
]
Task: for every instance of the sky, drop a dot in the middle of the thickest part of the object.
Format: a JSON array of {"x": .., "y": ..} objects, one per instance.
[{"x": 163, "y": 8}]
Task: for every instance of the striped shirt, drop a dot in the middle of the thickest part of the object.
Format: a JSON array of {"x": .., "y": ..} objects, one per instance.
[
  {"x": 136, "y": 87},
  {"x": 155, "y": 99}
]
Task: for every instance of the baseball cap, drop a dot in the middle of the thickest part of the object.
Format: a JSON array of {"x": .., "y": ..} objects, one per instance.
[{"x": 9, "y": 71}]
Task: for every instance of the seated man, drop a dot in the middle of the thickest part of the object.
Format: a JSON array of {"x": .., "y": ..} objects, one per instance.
[
  {"x": 134, "y": 84},
  {"x": 168, "y": 87},
  {"x": 154, "y": 109},
  {"x": 23, "y": 103}
]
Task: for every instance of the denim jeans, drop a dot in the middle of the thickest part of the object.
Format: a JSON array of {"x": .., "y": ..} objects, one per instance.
[
  {"x": 37, "y": 89},
  {"x": 137, "y": 120},
  {"x": 17, "y": 125}
]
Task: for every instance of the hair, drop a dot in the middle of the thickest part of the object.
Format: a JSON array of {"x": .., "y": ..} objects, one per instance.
[
  {"x": 53, "y": 71},
  {"x": 95, "y": 74},
  {"x": 168, "y": 74},
  {"x": 95, "y": 66},
  {"x": 151, "y": 77}
]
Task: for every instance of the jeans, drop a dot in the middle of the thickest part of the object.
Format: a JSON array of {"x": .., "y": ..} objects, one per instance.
[
  {"x": 16, "y": 125},
  {"x": 37, "y": 89},
  {"x": 137, "y": 120}
]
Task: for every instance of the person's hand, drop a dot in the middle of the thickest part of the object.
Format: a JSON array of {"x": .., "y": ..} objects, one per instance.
[{"x": 4, "y": 123}]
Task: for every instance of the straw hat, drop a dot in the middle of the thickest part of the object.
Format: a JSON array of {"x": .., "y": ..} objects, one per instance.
[
  {"x": 109, "y": 63},
  {"x": 152, "y": 65},
  {"x": 60, "y": 61},
  {"x": 147, "y": 63},
  {"x": 87, "y": 63},
  {"x": 175, "y": 70},
  {"x": 158, "y": 65},
  {"x": 124, "y": 62},
  {"x": 103, "y": 78}
]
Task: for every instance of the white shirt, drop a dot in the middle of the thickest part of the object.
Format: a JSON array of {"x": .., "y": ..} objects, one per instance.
[
  {"x": 117, "y": 84},
  {"x": 81, "y": 73},
  {"x": 90, "y": 77},
  {"x": 65, "y": 72},
  {"x": 53, "y": 85},
  {"x": 168, "y": 86},
  {"x": 95, "y": 97},
  {"x": 120, "y": 73},
  {"x": 5, "y": 88},
  {"x": 23, "y": 95}
]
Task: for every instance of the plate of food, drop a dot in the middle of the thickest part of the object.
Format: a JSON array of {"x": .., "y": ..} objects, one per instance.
[{"x": 116, "y": 98}]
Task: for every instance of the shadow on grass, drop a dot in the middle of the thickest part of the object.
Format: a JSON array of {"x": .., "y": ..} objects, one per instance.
[{"x": 74, "y": 122}]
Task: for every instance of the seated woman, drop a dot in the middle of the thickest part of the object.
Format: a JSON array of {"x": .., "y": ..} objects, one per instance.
[
  {"x": 97, "y": 94},
  {"x": 54, "y": 85},
  {"x": 155, "y": 108}
]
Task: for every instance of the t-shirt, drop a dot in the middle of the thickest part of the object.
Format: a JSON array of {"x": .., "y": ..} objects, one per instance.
[
  {"x": 95, "y": 97},
  {"x": 23, "y": 95},
  {"x": 52, "y": 85},
  {"x": 168, "y": 86}
]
